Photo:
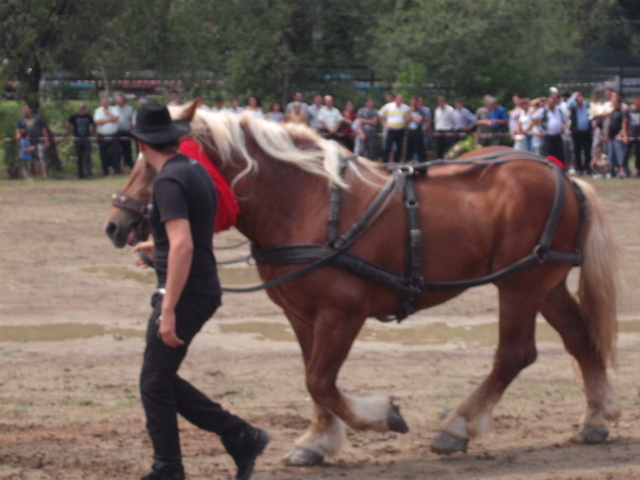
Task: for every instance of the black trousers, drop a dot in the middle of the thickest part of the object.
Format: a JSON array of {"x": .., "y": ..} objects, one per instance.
[
  {"x": 443, "y": 144},
  {"x": 553, "y": 146},
  {"x": 415, "y": 146},
  {"x": 109, "y": 155},
  {"x": 165, "y": 394},
  {"x": 125, "y": 148},
  {"x": 83, "y": 151},
  {"x": 394, "y": 136},
  {"x": 582, "y": 150}
]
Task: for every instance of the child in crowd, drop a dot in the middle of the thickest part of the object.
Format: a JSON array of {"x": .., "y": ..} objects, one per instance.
[
  {"x": 26, "y": 153},
  {"x": 600, "y": 163}
]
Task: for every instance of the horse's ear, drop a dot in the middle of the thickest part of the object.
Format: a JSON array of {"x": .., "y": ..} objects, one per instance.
[{"x": 190, "y": 110}]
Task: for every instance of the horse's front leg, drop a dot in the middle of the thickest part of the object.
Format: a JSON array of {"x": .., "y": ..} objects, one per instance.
[{"x": 332, "y": 337}]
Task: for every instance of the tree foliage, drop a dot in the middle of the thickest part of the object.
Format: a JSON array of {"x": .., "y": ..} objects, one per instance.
[{"x": 271, "y": 48}]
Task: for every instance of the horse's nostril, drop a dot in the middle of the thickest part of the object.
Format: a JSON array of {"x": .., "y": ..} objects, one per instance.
[{"x": 110, "y": 228}]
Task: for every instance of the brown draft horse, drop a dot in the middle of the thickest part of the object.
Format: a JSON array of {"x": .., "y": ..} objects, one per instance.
[{"x": 476, "y": 219}]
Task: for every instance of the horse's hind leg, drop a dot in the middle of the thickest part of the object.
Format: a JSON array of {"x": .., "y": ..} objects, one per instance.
[
  {"x": 562, "y": 311},
  {"x": 516, "y": 350}
]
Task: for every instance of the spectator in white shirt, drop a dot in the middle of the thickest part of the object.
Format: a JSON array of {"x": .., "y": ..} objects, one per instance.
[
  {"x": 330, "y": 118},
  {"x": 445, "y": 119}
]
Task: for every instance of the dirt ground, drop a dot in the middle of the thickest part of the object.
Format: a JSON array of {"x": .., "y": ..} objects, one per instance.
[{"x": 72, "y": 315}]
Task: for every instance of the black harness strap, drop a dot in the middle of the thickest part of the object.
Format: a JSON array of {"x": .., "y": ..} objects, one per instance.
[
  {"x": 340, "y": 245},
  {"x": 411, "y": 285},
  {"x": 313, "y": 252},
  {"x": 335, "y": 201}
]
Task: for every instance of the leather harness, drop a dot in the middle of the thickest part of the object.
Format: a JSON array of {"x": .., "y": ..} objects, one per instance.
[{"x": 410, "y": 285}]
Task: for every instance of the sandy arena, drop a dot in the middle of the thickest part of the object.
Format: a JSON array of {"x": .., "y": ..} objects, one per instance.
[{"x": 72, "y": 315}]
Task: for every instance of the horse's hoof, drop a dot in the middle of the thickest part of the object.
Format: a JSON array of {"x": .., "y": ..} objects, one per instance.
[
  {"x": 395, "y": 421},
  {"x": 302, "y": 457},
  {"x": 590, "y": 435},
  {"x": 446, "y": 443}
]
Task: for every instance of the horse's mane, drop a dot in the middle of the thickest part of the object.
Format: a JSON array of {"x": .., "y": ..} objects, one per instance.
[{"x": 225, "y": 135}]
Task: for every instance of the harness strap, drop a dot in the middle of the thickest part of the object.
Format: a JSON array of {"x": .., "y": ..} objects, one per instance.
[
  {"x": 335, "y": 201},
  {"x": 126, "y": 202},
  {"x": 314, "y": 252},
  {"x": 554, "y": 215},
  {"x": 341, "y": 244},
  {"x": 414, "y": 250},
  {"x": 358, "y": 228}
]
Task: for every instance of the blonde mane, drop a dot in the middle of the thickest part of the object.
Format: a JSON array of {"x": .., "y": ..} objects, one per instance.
[{"x": 226, "y": 134}]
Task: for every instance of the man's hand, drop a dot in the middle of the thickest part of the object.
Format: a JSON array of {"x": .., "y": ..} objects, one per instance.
[
  {"x": 147, "y": 249},
  {"x": 167, "y": 330}
]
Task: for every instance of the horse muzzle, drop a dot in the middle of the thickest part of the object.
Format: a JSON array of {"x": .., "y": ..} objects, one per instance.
[{"x": 127, "y": 232}]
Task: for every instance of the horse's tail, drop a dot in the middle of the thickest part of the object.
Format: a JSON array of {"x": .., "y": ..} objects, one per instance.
[{"x": 598, "y": 284}]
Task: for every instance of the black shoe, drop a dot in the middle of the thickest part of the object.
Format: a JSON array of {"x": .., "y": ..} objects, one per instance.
[
  {"x": 245, "y": 448},
  {"x": 155, "y": 475}
]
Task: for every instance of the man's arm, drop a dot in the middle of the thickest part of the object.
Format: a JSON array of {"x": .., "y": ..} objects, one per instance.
[{"x": 178, "y": 267}]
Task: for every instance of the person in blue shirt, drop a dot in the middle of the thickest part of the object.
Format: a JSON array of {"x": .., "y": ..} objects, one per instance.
[
  {"x": 580, "y": 131},
  {"x": 499, "y": 121},
  {"x": 465, "y": 121},
  {"x": 26, "y": 153}
]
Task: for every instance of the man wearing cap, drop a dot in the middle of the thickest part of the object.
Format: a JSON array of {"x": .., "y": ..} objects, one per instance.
[
  {"x": 181, "y": 213},
  {"x": 82, "y": 126}
]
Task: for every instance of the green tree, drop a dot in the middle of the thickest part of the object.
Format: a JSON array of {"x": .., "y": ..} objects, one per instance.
[
  {"x": 494, "y": 46},
  {"x": 46, "y": 35}
]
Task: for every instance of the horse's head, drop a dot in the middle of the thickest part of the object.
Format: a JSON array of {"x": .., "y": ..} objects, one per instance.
[{"x": 127, "y": 219}]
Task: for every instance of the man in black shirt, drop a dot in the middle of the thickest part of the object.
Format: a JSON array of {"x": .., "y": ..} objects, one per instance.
[
  {"x": 181, "y": 213},
  {"x": 82, "y": 126}
]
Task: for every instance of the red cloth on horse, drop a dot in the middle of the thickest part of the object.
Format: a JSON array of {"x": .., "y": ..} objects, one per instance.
[
  {"x": 555, "y": 160},
  {"x": 228, "y": 208}
]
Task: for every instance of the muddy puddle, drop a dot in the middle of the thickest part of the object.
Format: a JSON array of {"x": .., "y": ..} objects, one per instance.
[
  {"x": 229, "y": 276},
  {"x": 439, "y": 333},
  {"x": 62, "y": 331}
]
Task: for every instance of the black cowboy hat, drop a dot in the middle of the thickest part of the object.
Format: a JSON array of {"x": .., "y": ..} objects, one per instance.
[{"x": 154, "y": 125}]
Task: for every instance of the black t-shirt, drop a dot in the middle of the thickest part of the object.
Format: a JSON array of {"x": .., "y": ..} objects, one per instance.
[
  {"x": 633, "y": 116},
  {"x": 615, "y": 124},
  {"x": 34, "y": 124},
  {"x": 81, "y": 124},
  {"x": 184, "y": 189}
]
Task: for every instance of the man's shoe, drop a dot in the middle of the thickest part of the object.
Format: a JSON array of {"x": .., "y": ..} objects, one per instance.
[
  {"x": 155, "y": 475},
  {"x": 245, "y": 448}
]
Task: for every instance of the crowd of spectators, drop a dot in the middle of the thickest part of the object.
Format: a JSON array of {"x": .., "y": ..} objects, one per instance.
[
  {"x": 595, "y": 137},
  {"x": 588, "y": 137}
]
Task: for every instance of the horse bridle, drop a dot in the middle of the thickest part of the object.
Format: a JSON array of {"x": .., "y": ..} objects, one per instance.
[
  {"x": 125, "y": 201},
  {"x": 139, "y": 208}
]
